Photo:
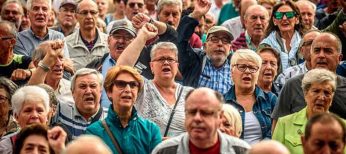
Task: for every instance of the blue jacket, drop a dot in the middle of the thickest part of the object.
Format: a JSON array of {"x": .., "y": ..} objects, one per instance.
[
  {"x": 139, "y": 136},
  {"x": 262, "y": 109}
]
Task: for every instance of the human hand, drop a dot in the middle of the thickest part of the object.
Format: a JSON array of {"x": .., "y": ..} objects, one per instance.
[
  {"x": 20, "y": 74},
  {"x": 53, "y": 50},
  {"x": 148, "y": 31},
  {"x": 56, "y": 139},
  {"x": 201, "y": 8},
  {"x": 139, "y": 20}
]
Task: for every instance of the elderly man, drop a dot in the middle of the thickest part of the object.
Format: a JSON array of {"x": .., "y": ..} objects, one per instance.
[
  {"x": 12, "y": 11},
  {"x": 88, "y": 43},
  {"x": 27, "y": 40},
  {"x": 209, "y": 68},
  {"x": 256, "y": 20},
  {"x": 87, "y": 144},
  {"x": 307, "y": 11},
  {"x": 325, "y": 53},
  {"x": 48, "y": 59},
  {"x": 324, "y": 133},
  {"x": 86, "y": 91},
  {"x": 203, "y": 117},
  {"x": 66, "y": 18},
  {"x": 169, "y": 11},
  {"x": 268, "y": 147}
]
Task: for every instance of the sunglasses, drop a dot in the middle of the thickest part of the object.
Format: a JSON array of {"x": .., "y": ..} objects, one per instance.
[
  {"x": 139, "y": 5},
  {"x": 280, "y": 15},
  {"x": 123, "y": 84}
]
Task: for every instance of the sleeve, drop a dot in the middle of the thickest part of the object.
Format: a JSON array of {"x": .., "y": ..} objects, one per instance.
[
  {"x": 170, "y": 35},
  {"x": 156, "y": 137},
  {"x": 66, "y": 52},
  {"x": 26, "y": 60},
  {"x": 279, "y": 131},
  {"x": 333, "y": 28},
  {"x": 19, "y": 47},
  {"x": 283, "y": 103}
]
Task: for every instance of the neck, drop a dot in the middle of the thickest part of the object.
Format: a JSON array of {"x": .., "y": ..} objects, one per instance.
[
  {"x": 267, "y": 87},
  {"x": 219, "y": 4},
  {"x": 161, "y": 85},
  {"x": 89, "y": 114},
  {"x": 308, "y": 65},
  {"x": 204, "y": 144},
  {"x": 53, "y": 83},
  {"x": 88, "y": 35},
  {"x": 102, "y": 16},
  {"x": 67, "y": 30},
  {"x": 119, "y": 15},
  {"x": 40, "y": 32},
  {"x": 287, "y": 35},
  {"x": 244, "y": 92},
  {"x": 217, "y": 63},
  {"x": 124, "y": 115},
  {"x": 256, "y": 40}
]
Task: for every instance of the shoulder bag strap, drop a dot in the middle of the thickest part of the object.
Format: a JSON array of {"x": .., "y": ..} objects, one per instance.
[
  {"x": 115, "y": 142},
  {"x": 173, "y": 111}
]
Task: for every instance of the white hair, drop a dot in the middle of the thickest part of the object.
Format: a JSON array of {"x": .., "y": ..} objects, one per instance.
[
  {"x": 246, "y": 54},
  {"x": 318, "y": 75}
]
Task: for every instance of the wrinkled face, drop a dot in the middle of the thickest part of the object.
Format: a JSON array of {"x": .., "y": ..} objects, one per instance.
[
  {"x": 4, "y": 107},
  {"x": 57, "y": 71},
  {"x": 164, "y": 65},
  {"x": 118, "y": 41},
  {"x": 25, "y": 22},
  {"x": 319, "y": 97},
  {"x": 308, "y": 15},
  {"x": 256, "y": 22},
  {"x": 269, "y": 68},
  {"x": 170, "y": 14},
  {"x": 269, "y": 8},
  {"x": 87, "y": 15},
  {"x": 324, "y": 53},
  {"x": 124, "y": 93},
  {"x": 119, "y": 6},
  {"x": 102, "y": 6},
  {"x": 242, "y": 75},
  {"x": 286, "y": 23},
  {"x": 66, "y": 16},
  {"x": 51, "y": 18},
  {"x": 226, "y": 127},
  {"x": 35, "y": 144},
  {"x": 325, "y": 138},
  {"x": 38, "y": 14},
  {"x": 87, "y": 94},
  {"x": 134, "y": 7},
  {"x": 306, "y": 47},
  {"x": 202, "y": 117},
  {"x": 209, "y": 22},
  {"x": 7, "y": 42},
  {"x": 33, "y": 111},
  {"x": 12, "y": 13},
  {"x": 216, "y": 49}
]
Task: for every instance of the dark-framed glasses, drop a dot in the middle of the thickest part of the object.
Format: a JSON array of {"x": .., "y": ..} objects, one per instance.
[
  {"x": 3, "y": 99},
  {"x": 243, "y": 67},
  {"x": 164, "y": 60},
  {"x": 216, "y": 39},
  {"x": 139, "y": 5},
  {"x": 121, "y": 84},
  {"x": 280, "y": 15}
]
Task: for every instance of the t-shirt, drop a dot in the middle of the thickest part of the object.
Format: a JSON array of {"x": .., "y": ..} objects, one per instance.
[
  {"x": 215, "y": 149},
  {"x": 18, "y": 61}
]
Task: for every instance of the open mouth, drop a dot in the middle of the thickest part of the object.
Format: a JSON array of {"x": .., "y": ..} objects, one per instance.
[
  {"x": 268, "y": 74},
  {"x": 126, "y": 97},
  {"x": 89, "y": 99},
  {"x": 40, "y": 19},
  {"x": 166, "y": 69},
  {"x": 246, "y": 78}
]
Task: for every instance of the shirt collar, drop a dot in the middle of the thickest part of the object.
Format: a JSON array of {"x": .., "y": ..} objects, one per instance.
[
  {"x": 37, "y": 37},
  {"x": 76, "y": 114}
]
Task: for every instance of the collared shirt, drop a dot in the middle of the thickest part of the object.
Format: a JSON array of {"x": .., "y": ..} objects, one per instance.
[
  {"x": 249, "y": 44},
  {"x": 63, "y": 92},
  {"x": 263, "y": 107},
  {"x": 68, "y": 115},
  {"x": 290, "y": 73},
  {"x": 27, "y": 41},
  {"x": 218, "y": 79},
  {"x": 106, "y": 65}
]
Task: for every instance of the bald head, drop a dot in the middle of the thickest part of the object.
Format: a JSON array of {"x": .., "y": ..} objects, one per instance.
[
  {"x": 205, "y": 93},
  {"x": 87, "y": 144},
  {"x": 268, "y": 147},
  {"x": 86, "y": 3},
  {"x": 256, "y": 8}
]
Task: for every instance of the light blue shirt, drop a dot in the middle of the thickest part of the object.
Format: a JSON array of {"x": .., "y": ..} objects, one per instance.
[{"x": 106, "y": 65}]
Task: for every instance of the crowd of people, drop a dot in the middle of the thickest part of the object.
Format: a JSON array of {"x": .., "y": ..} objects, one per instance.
[{"x": 172, "y": 76}]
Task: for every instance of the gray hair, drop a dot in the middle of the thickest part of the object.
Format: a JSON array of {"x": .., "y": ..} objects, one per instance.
[
  {"x": 246, "y": 54},
  {"x": 83, "y": 72},
  {"x": 307, "y": 2},
  {"x": 21, "y": 11},
  {"x": 161, "y": 3},
  {"x": 29, "y": 4},
  {"x": 11, "y": 26},
  {"x": 9, "y": 86},
  {"x": 28, "y": 93},
  {"x": 318, "y": 75},
  {"x": 257, "y": 7},
  {"x": 338, "y": 41},
  {"x": 163, "y": 45},
  {"x": 233, "y": 117}
]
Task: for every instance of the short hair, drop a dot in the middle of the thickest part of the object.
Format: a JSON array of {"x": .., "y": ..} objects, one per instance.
[
  {"x": 80, "y": 2},
  {"x": 88, "y": 139},
  {"x": 318, "y": 75},
  {"x": 233, "y": 117},
  {"x": 21, "y": 11},
  {"x": 272, "y": 51},
  {"x": 302, "y": 40},
  {"x": 324, "y": 118},
  {"x": 256, "y": 6},
  {"x": 83, "y": 72},
  {"x": 271, "y": 2},
  {"x": 34, "y": 129},
  {"x": 115, "y": 71},
  {"x": 9, "y": 86},
  {"x": 29, "y": 93},
  {"x": 338, "y": 41},
  {"x": 162, "y": 3},
  {"x": 308, "y": 3},
  {"x": 29, "y": 4},
  {"x": 52, "y": 97},
  {"x": 217, "y": 94},
  {"x": 11, "y": 26},
  {"x": 246, "y": 54},
  {"x": 163, "y": 45}
]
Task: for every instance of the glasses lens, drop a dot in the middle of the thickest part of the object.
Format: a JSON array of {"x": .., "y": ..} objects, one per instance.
[
  {"x": 241, "y": 67},
  {"x": 278, "y": 15},
  {"x": 290, "y": 15},
  {"x": 132, "y": 5},
  {"x": 122, "y": 84}
]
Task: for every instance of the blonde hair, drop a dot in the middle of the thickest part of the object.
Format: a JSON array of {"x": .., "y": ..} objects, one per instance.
[
  {"x": 246, "y": 54},
  {"x": 233, "y": 117}
]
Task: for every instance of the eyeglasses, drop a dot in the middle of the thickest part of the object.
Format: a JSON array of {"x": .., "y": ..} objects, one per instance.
[
  {"x": 163, "y": 60},
  {"x": 3, "y": 99},
  {"x": 139, "y": 5},
  {"x": 216, "y": 39},
  {"x": 126, "y": 38},
  {"x": 4, "y": 38},
  {"x": 202, "y": 113},
  {"x": 280, "y": 15},
  {"x": 86, "y": 12},
  {"x": 243, "y": 67},
  {"x": 122, "y": 84}
]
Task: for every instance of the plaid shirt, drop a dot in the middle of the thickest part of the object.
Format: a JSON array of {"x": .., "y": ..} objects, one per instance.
[{"x": 218, "y": 79}]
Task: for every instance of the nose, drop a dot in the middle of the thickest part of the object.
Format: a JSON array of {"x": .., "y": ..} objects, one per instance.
[
  {"x": 127, "y": 88},
  {"x": 170, "y": 17},
  {"x": 326, "y": 149},
  {"x": 197, "y": 116}
]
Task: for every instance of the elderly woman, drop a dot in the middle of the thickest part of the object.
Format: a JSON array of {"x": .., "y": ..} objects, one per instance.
[
  {"x": 231, "y": 121},
  {"x": 7, "y": 122},
  {"x": 162, "y": 99},
  {"x": 254, "y": 105},
  {"x": 30, "y": 105},
  {"x": 269, "y": 69},
  {"x": 318, "y": 86},
  {"x": 123, "y": 130},
  {"x": 284, "y": 32}
]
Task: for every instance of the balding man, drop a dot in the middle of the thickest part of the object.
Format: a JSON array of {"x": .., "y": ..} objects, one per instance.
[
  {"x": 268, "y": 147},
  {"x": 325, "y": 53},
  {"x": 203, "y": 117},
  {"x": 307, "y": 11},
  {"x": 256, "y": 21},
  {"x": 12, "y": 11},
  {"x": 87, "y": 144}
]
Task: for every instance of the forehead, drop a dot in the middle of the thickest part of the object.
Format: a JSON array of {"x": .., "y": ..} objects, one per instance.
[
  {"x": 170, "y": 8},
  {"x": 305, "y": 7},
  {"x": 284, "y": 8},
  {"x": 33, "y": 102},
  {"x": 39, "y": 3},
  {"x": 258, "y": 11},
  {"x": 135, "y": 1},
  {"x": 325, "y": 130},
  {"x": 89, "y": 78},
  {"x": 310, "y": 35},
  {"x": 267, "y": 54},
  {"x": 325, "y": 42},
  {"x": 87, "y": 5},
  {"x": 327, "y": 85},
  {"x": 4, "y": 30},
  {"x": 202, "y": 101},
  {"x": 36, "y": 140},
  {"x": 12, "y": 6},
  {"x": 164, "y": 53}
]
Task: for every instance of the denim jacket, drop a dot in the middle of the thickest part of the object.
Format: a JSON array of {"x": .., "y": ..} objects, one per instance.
[{"x": 262, "y": 109}]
